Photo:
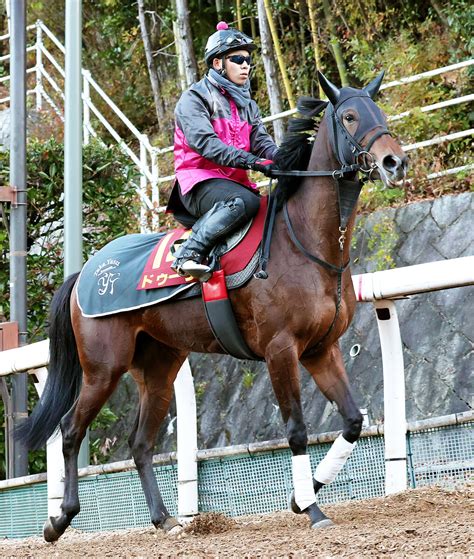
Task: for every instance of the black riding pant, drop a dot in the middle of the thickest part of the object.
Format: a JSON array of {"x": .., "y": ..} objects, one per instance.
[{"x": 205, "y": 194}]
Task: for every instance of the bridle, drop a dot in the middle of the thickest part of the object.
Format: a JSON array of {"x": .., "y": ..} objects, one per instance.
[
  {"x": 346, "y": 147},
  {"x": 353, "y": 159}
]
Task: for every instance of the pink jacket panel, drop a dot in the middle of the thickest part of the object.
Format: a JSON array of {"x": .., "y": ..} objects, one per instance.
[
  {"x": 191, "y": 167},
  {"x": 214, "y": 138}
]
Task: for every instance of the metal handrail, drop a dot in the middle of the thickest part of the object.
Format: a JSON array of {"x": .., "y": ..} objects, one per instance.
[
  {"x": 51, "y": 58},
  {"x": 50, "y": 35},
  {"x": 435, "y": 106},
  {"x": 429, "y": 73}
]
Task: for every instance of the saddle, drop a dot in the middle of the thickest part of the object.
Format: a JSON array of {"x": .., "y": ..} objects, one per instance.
[{"x": 134, "y": 271}]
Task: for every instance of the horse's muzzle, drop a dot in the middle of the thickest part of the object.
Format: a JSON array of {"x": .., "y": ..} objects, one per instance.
[
  {"x": 395, "y": 168},
  {"x": 392, "y": 169}
]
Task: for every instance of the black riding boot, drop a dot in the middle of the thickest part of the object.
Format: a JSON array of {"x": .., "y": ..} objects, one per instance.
[{"x": 221, "y": 219}]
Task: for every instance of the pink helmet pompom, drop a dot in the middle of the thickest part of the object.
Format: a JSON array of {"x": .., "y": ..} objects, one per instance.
[{"x": 221, "y": 26}]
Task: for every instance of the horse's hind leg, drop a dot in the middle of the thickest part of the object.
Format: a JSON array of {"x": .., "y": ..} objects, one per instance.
[
  {"x": 95, "y": 391},
  {"x": 282, "y": 361},
  {"x": 155, "y": 370}
]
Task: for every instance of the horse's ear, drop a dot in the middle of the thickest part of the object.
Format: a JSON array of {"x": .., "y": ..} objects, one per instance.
[
  {"x": 373, "y": 87},
  {"x": 329, "y": 88}
]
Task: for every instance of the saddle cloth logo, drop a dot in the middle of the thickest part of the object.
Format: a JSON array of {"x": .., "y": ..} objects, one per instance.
[
  {"x": 106, "y": 274},
  {"x": 157, "y": 272}
]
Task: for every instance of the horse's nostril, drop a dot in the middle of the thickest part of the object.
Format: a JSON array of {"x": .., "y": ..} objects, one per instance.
[{"x": 391, "y": 162}]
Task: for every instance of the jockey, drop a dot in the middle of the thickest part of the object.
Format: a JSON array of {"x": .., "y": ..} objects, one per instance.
[{"x": 218, "y": 136}]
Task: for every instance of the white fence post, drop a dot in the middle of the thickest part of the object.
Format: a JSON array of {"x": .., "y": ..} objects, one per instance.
[
  {"x": 187, "y": 442},
  {"x": 394, "y": 397},
  {"x": 39, "y": 67},
  {"x": 143, "y": 183},
  {"x": 155, "y": 193},
  {"x": 86, "y": 112},
  {"x": 54, "y": 458}
]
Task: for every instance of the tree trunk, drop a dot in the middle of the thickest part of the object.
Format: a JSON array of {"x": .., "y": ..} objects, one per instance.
[
  {"x": 219, "y": 9},
  {"x": 253, "y": 27},
  {"x": 314, "y": 37},
  {"x": 150, "y": 61},
  {"x": 274, "y": 92},
  {"x": 303, "y": 13},
  {"x": 185, "y": 39},
  {"x": 336, "y": 47},
  {"x": 281, "y": 62},
  {"x": 181, "y": 72},
  {"x": 439, "y": 12}
]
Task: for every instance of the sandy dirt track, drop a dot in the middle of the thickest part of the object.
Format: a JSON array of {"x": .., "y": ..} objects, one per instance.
[{"x": 421, "y": 523}]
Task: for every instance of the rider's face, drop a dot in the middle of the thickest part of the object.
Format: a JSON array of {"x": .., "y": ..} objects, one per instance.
[{"x": 237, "y": 70}]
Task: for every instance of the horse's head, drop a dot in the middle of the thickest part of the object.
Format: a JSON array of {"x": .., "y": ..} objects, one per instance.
[{"x": 358, "y": 131}]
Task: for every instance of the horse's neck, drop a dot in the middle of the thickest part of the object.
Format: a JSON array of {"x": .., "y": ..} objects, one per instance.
[{"x": 314, "y": 209}]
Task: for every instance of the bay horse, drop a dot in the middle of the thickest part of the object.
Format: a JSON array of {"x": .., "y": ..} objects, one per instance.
[{"x": 296, "y": 315}]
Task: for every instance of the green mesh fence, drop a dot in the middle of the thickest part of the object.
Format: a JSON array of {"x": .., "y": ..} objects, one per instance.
[
  {"x": 23, "y": 511},
  {"x": 246, "y": 484},
  {"x": 441, "y": 456}
]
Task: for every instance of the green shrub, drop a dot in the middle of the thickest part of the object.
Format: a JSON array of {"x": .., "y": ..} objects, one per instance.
[{"x": 110, "y": 209}]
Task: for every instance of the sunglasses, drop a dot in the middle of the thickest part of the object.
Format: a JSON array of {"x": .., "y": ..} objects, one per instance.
[{"x": 239, "y": 59}]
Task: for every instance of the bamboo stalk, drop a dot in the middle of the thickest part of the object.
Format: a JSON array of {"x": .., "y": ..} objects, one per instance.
[
  {"x": 238, "y": 8},
  {"x": 336, "y": 47},
  {"x": 314, "y": 37},
  {"x": 281, "y": 62}
]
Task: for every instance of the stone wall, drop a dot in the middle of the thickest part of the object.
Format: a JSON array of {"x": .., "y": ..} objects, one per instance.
[{"x": 235, "y": 398}]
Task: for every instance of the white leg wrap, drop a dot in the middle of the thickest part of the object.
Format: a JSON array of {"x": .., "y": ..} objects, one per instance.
[
  {"x": 334, "y": 460},
  {"x": 303, "y": 481}
]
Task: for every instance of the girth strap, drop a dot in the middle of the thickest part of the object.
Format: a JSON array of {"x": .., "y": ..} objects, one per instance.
[{"x": 221, "y": 318}]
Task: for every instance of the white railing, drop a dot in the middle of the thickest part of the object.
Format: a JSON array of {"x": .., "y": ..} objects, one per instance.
[
  {"x": 378, "y": 287},
  {"x": 49, "y": 87},
  {"x": 381, "y": 288}
]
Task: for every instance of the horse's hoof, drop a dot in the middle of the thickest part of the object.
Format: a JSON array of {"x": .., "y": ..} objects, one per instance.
[
  {"x": 324, "y": 523},
  {"x": 292, "y": 504},
  {"x": 50, "y": 534},
  {"x": 172, "y": 526},
  {"x": 176, "y": 532}
]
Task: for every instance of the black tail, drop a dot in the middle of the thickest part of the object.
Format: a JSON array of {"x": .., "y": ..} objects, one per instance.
[{"x": 64, "y": 373}]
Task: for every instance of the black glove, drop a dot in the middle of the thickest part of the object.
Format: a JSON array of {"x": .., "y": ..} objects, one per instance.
[{"x": 265, "y": 166}]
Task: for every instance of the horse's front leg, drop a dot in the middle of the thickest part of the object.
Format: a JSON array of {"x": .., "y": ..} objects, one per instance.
[
  {"x": 282, "y": 361},
  {"x": 328, "y": 371}
]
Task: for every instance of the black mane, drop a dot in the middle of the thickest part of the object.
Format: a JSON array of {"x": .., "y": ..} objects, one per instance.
[{"x": 295, "y": 150}]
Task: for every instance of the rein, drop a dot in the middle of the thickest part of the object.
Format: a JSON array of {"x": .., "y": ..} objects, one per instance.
[{"x": 336, "y": 174}]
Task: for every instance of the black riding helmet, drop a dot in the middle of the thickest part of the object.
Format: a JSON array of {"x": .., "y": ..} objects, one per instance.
[{"x": 224, "y": 40}]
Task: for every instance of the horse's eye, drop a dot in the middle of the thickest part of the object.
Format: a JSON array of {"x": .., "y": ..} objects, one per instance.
[{"x": 349, "y": 117}]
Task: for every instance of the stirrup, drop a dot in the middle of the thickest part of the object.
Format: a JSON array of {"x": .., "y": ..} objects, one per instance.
[{"x": 198, "y": 271}]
